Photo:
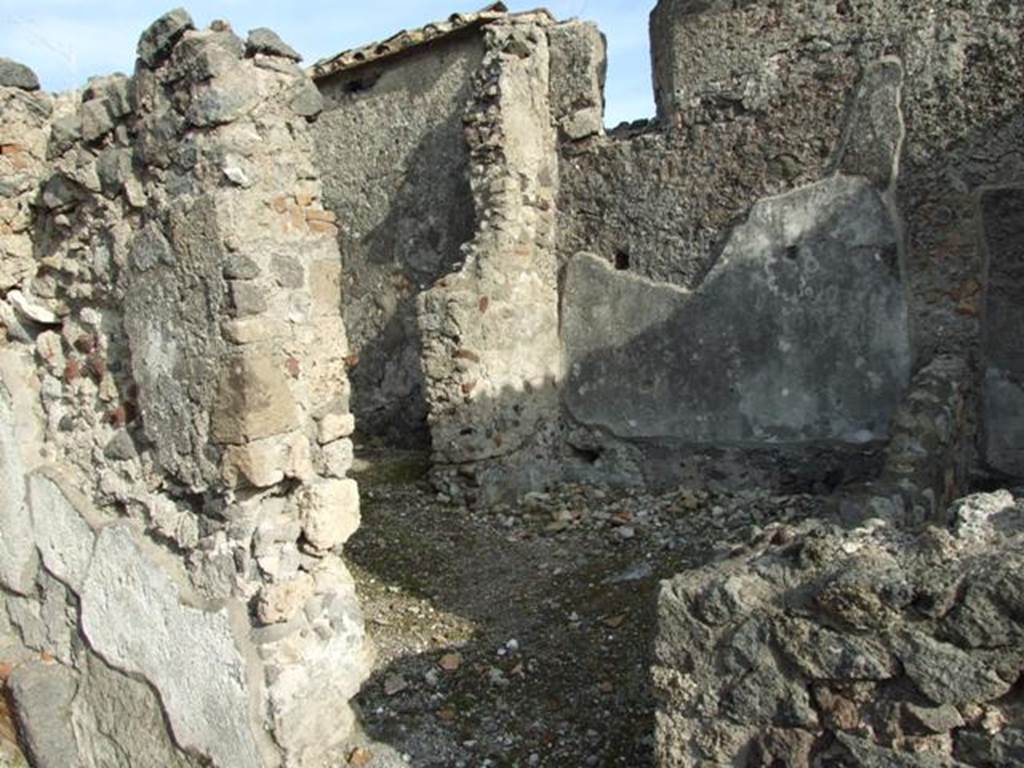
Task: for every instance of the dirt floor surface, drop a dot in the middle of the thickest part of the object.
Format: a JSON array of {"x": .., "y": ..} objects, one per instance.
[{"x": 522, "y": 636}]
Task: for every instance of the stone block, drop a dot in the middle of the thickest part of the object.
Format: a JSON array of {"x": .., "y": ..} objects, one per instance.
[
  {"x": 579, "y": 62},
  {"x": 250, "y": 330},
  {"x": 329, "y": 511},
  {"x": 96, "y": 119},
  {"x": 247, "y": 298},
  {"x": 16, "y": 75},
  {"x": 337, "y": 458},
  {"x": 157, "y": 41},
  {"x": 43, "y": 694},
  {"x": 253, "y": 399},
  {"x": 325, "y": 284},
  {"x": 280, "y": 602},
  {"x": 334, "y": 426},
  {"x": 264, "y": 463},
  {"x": 266, "y": 41}
]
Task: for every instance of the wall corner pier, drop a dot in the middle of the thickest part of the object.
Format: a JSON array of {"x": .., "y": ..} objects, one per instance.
[{"x": 174, "y": 417}]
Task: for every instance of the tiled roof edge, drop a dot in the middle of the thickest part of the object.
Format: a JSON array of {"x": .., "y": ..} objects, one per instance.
[{"x": 405, "y": 40}]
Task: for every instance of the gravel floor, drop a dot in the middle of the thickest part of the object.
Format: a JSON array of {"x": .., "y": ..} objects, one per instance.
[{"x": 521, "y": 636}]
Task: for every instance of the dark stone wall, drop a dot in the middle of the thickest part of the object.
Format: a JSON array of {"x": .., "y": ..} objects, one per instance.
[{"x": 391, "y": 149}]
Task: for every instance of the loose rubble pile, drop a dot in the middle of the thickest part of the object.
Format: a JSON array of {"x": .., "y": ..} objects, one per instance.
[
  {"x": 869, "y": 647},
  {"x": 546, "y": 661}
]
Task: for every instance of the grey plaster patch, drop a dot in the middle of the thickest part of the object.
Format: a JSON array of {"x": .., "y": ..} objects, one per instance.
[
  {"x": 132, "y": 615},
  {"x": 63, "y": 537},
  {"x": 17, "y": 555},
  {"x": 43, "y": 694},
  {"x": 875, "y": 131},
  {"x": 798, "y": 334},
  {"x": 174, "y": 336},
  {"x": 107, "y": 736},
  {"x": 1003, "y": 396}
]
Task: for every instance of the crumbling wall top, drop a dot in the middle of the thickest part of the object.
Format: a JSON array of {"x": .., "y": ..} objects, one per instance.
[{"x": 405, "y": 39}]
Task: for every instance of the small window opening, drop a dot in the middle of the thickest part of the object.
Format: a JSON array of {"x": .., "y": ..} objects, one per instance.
[
  {"x": 622, "y": 260},
  {"x": 361, "y": 84}
]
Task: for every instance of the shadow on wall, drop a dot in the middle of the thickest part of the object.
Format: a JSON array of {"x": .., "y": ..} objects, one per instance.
[
  {"x": 798, "y": 335},
  {"x": 418, "y": 243},
  {"x": 561, "y": 578}
]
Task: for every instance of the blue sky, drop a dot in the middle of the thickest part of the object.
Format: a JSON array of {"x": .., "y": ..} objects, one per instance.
[{"x": 65, "y": 41}]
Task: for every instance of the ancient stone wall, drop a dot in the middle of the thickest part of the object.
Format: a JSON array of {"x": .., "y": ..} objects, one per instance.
[
  {"x": 758, "y": 100},
  {"x": 491, "y": 353},
  {"x": 395, "y": 164},
  {"x": 784, "y": 73},
  {"x": 863, "y": 647},
  {"x": 174, "y": 416},
  {"x": 805, "y": 274},
  {"x": 1001, "y": 210}
]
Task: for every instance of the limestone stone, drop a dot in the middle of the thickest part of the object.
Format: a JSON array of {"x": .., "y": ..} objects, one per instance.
[
  {"x": 334, "y": 668},
  {"x": 264, "y": 463},
  {"x": 253, "y": 400},
  {"x": 334, "y": 426},
  {"x": 133, "y": 616},
  {"x": 64, "y": 539},
  {"x": 16, "y": 75},
  {"x": 325, "y": 280},
  {"x": 31, "y": 308},
  {"x": 280, "y": 602},
  {"x": 329, "y": 511},
  {"x": 249, "y": 330},
  {"x": 338, "y": 458},
  {"x": 43, "y": 695},
  {"x": 161, "y": 35},
  {"x": 18, "y": 563}
]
